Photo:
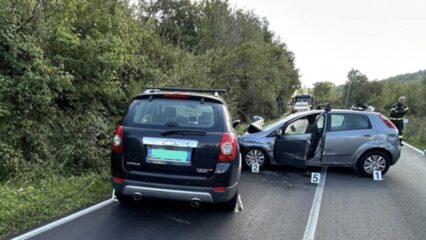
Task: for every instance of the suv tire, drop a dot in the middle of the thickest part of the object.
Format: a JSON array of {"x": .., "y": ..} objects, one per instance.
[
  {"x": 231, "y": 204},
  {"x": 123, "y": 199}
]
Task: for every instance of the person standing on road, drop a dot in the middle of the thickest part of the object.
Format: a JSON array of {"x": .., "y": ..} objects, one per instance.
[{"x": 397, "y": 115}]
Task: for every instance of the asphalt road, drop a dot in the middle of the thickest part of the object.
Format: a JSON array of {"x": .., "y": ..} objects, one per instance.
[
  {"x": 359, "y": 208},
  {"x": 277, "y": 204}
]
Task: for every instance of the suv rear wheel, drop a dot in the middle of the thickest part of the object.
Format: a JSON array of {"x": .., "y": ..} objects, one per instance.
[
  {"x": 123, "y": 199},
  {"x": 372, "y": 161},
  {"x": 230, "y": 204}
]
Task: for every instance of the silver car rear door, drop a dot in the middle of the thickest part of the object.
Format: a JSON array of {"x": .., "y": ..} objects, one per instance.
[{"x": 346, "y": 134}]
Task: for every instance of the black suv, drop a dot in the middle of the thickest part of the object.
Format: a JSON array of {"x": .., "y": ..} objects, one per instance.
[{"x": 177, "y": 144}]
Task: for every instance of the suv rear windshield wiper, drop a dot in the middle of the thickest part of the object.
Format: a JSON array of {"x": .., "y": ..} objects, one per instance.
[{"x": 184, "y": 132}]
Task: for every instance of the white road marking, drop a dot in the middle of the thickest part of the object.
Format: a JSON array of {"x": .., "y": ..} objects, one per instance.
[
  {"x": 113, "y": 197},
  {"x": 316, "y": 204},
  {"x": 239, "y": 206},
  {"x": 64, "y": 220},
  {"x": 414, "y": 148}
]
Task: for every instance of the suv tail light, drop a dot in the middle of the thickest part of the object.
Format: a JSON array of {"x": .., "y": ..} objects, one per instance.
[
  {"x": 219, "y": 189},
  {"x": 117, "y": 140},
  {"x": 117, "y": 179},
  {"x": 388, "y": 122},
  {"x": 228, "y": 147}
]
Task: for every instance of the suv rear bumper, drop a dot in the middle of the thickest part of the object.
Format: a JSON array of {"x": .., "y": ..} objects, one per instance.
[{"x": 174, "y": 192}]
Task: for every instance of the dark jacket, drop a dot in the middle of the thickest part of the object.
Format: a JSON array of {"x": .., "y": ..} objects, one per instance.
[{"x": 398, "y": 112}]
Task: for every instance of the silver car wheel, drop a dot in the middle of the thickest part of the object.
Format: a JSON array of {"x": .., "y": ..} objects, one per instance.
[
  {"x": 374, "y": 163},
  {"x": 253, "y": 156}
]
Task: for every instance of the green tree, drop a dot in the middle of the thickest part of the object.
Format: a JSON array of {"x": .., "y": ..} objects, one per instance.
[
  {"x": 326, "y": 92},
  {"x": 359, "y": 90},
  {"x": 323, "y": 89}
]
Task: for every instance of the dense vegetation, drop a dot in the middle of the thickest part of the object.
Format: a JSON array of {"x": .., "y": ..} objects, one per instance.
[
  {"x": 382, "y": 95},
  {"x": 69, "y": 68}
]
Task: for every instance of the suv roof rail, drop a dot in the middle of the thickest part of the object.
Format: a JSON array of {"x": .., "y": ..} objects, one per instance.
[{"x": 174, "y": 89}]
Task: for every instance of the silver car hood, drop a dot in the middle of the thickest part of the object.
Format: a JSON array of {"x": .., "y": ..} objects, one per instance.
[{"x": 249, "y": 136}]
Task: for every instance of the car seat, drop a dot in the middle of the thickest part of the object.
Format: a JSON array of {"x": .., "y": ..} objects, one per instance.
[
  {"x": 170, "y": 114},
  {"x": 206, "y": 119}
]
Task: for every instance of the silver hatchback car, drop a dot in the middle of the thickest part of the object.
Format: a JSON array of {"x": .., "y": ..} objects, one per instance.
[{"x": 365, "y": 140}]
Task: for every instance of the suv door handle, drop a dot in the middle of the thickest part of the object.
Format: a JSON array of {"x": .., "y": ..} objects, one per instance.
[{"x": 368, "y": 135}]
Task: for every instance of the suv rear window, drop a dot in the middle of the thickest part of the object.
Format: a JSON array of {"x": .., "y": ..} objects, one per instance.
[{"x": 174, "y": 113}]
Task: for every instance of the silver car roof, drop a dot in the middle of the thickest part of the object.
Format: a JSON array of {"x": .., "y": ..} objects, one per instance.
[{"x": 302, "y": 114}]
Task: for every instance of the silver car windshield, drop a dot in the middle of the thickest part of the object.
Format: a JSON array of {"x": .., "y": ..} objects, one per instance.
[
  {"x": 273, "y": 125},
  {"x": 281, "y": 121}
]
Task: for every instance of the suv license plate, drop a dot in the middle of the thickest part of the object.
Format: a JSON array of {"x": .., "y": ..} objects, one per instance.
[{"x": 168, "y": 156}]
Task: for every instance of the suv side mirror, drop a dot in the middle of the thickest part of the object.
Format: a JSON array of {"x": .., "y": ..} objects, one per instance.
[
  {"x": 279, "y": 132},
  {"x": 236, "y": 123}
]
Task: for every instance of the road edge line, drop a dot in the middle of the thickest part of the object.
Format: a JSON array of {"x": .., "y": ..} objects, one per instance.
[
  {"x": 413, "y": 148},
  {"x": 63, "y": 220},
  {"x": 311, "y": 225}
]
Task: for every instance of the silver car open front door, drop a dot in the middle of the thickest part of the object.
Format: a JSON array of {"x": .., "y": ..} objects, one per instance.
[{"x": 292, "y": 146}]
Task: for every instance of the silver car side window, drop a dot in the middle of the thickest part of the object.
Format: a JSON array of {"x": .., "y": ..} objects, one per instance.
[
  {"x": 347, "y": 122},
  {"x": 297, "y": 127},
  {"x": 337, "y": 122}
]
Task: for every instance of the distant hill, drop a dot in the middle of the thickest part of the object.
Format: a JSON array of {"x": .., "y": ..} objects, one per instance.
[
  {"x": 407, "y": 77},
  {"x": 417, "y": 76}
]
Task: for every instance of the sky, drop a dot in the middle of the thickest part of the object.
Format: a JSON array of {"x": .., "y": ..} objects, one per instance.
[{"x": 381, "y": 38}]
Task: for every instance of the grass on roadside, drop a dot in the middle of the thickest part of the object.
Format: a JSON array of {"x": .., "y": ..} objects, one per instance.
[
  {"x": 416, "y": 143},
  {"x": 415, "y": 132},
  {"x": 26, "y": 205}
]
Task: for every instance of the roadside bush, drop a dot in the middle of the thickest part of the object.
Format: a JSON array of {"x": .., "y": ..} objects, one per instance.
[
  {"x": 11, "y": 162},
  {"x": 80, "y": 144},
  {"x": 415, "y": 131}
]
